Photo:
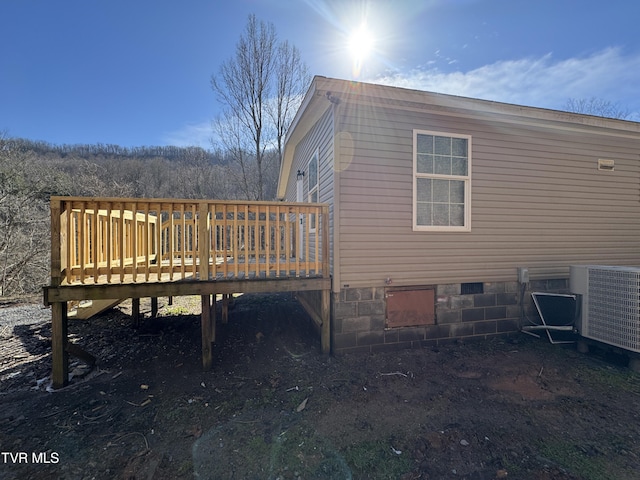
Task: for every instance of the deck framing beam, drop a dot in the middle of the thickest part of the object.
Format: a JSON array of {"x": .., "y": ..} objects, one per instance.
[{"x": 182, "y": 288}]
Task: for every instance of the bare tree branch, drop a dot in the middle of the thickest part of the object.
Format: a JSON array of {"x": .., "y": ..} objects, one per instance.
[
  {"x": 596, "y": 106},
  {"x": 258, "y": 89}
]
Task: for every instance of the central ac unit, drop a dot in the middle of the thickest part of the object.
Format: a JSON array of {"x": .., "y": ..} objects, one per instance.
[{"x": 610, "y": 309}]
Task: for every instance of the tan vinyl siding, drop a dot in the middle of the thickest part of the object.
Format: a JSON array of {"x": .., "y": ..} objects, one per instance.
[
  {"x": 537, "y": 199},
  {"x": 319, "y": 138}
]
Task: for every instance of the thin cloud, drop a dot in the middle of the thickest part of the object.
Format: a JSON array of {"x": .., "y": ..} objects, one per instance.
[
  {"x": 191, "y": 135},
  {"x": 541, "y": 82}
]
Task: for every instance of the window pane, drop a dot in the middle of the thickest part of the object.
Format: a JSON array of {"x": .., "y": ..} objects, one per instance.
[
  {"x": 423, "y": 186},
  {"x": 313, "y": 172},
  {"x": 459, "y": 147},
  {"x": 424, "y": 213},
  {"x": 425, "y": 143},
  {"x": 425, "y": 163},
  {"x": 456, "y": 191},
  {"x": 459, "y": 166},
  {"x": 457, "y": 215},
  {"x": 443, "y": 145},
  {"x": 441, "y": 191},
  {"x": 314, "y": 196},
  {"x": 441, "y": 214},
  {"x": 442, "y": 165}
]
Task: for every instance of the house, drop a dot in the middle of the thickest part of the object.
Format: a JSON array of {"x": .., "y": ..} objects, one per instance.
[{"x": 445, "y": 212}]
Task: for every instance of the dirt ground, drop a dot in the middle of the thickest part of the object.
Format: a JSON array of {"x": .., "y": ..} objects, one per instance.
[{"x": 275, "y": 408}]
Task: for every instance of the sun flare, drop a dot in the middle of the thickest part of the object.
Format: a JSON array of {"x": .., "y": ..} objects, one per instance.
[{"x": 361, "y": 43}]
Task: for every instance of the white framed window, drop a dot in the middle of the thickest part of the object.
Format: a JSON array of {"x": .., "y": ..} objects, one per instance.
[
  {"x": 441, "y": 181},
  {"x": 313, "y": 177}
]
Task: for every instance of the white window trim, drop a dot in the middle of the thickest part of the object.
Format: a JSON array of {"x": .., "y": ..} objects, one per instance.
[
  {"x": 466, "y": 179},
  {"x": 313, "y": 189}
]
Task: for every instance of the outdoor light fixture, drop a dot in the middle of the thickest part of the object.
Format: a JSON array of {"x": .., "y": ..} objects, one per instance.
[{"x": 300, "y": 175}]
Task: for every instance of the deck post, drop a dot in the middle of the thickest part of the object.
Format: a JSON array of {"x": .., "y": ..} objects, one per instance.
[
  {"x": 225, "y": 308},
  {"x": 212, "y": 318},
  {"x": 135, "y": 312},
  {"x": 59, "y": 326},
  {"x": 154, "y": 307},
  {"x": 205, "y": 325},
  {"x": 59, "y": 354},
  {"x": 325, "y": 313},
  {"x": 203, "y": 241},
  {"x": 324, "y": 225}
]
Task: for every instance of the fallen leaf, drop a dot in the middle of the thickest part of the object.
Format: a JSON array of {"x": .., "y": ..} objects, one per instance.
[
  {"x": 302, "y": 405},
  {"x": 195, "y": 431}
]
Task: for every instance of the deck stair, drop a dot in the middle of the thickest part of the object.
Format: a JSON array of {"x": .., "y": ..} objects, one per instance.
[{"x": 86, "y": 309}]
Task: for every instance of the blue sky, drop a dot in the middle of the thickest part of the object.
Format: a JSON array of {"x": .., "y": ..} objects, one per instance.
[{"x": 137, "y": 72}]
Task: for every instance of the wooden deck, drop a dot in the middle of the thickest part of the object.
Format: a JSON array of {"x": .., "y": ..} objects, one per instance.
[{"x": 114, "y": 248}]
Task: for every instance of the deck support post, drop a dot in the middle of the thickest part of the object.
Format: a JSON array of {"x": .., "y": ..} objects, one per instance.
[
  {"x": 154, "y": 307},
  {"x": 212, "y": 318},
  {"x": 325, "y": 313},
  {"x": 135, "y": 311},
  {"x": 225, "y": 308},
  {"x": 207, "y": 325},
  {"x": 59, "y": 354}
]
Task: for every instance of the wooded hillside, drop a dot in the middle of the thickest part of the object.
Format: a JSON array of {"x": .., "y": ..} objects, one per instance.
[{"x": 30, "y": 172}]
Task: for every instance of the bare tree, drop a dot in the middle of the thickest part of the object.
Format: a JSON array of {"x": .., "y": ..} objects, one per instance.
[
  {"x": 596, "y": 106},
  {"x": 291, "y": 81},
  {"x": 231, "y": 139},
  {"x": 197, "y": 177},
  {"x": 258, "y": 89},
  {"x": 24, "y": 220}
]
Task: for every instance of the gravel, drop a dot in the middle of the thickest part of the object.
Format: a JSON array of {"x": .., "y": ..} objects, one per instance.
[{"x": 24, "y": 315}]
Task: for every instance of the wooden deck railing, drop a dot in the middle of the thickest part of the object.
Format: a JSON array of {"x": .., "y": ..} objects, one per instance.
[{"x": 114, "y": 240}]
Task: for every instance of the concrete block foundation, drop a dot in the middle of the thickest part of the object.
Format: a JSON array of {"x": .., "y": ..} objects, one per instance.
[{"x": 359, "y": 316}]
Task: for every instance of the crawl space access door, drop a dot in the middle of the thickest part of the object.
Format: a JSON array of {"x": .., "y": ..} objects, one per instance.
[{"x": 410, "y": 306}]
